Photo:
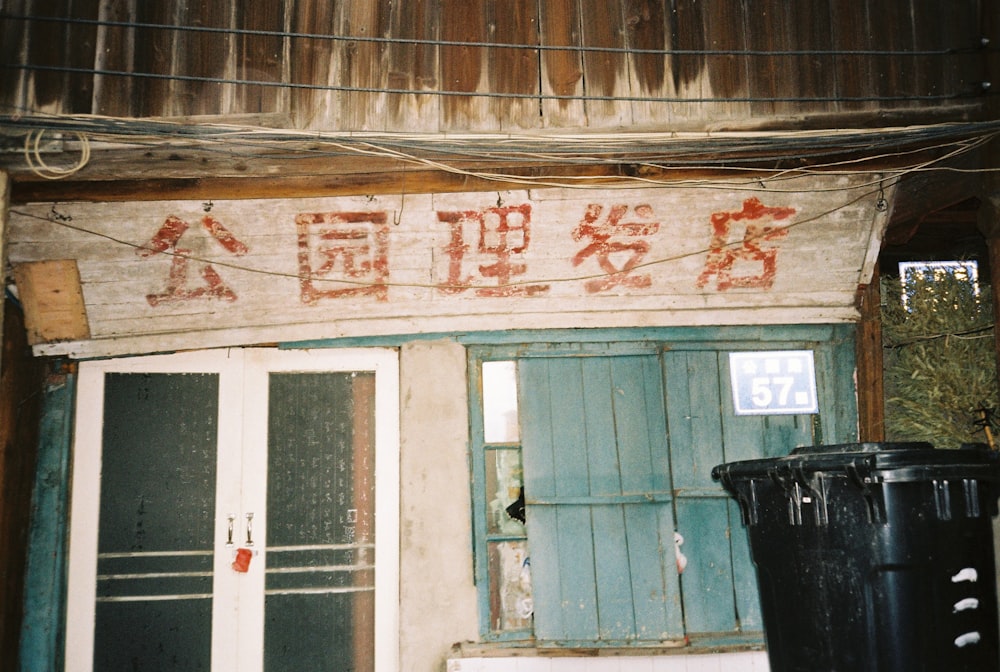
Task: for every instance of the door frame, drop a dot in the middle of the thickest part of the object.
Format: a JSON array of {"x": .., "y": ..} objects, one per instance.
[{"x": 242, "y": 390}]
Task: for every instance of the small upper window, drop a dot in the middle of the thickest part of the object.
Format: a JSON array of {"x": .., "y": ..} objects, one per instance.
[{"x": 917, "y": 277}]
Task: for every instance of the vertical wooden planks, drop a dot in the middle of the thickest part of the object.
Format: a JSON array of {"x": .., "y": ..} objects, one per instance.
[
  {"x": 155, "y": 54},
  {"x": 707, "y": 582},
  {"x": 574, "y": 531},
  {"x": 312, "y": 64},
  {"x": 114, "y": 95},
  {"x": 645, "y": 32},
  {"x": 892, "y": 75},
  {"x": 693, "y": 417},
  {"x": 555, "y": 466},
  {"x": 745, "y": 591},
  {"x": 202, "y": 56},
  {"x": 694, "y": 28},
  {"x": 747, "y": 437},
  {"x": 688, "y": 66},
  {"x": 49, "y": 86},
  {"x": 593, "y": 441},
  {"x": 466, "y": 104},
  {"x": 962, "y": 73},
  {"x": 640, "y": 425},
  {"x": 538, "y": 463},
  {"x": 815, "y": 74},
  {"x": 562, "y": 67},
  {"x": 81, "y": 45},
  {"x": 771, "y": 76},
  {"x": 605, "y": 65},
  {"x": 852, "y": 32},
  {"x": 14, "y": 38},
  {"x": 360, "y": 64},
  {"x": 514, "y": 70},
  {"x": 413, "y": 66},
  {"x": 257, "y": 57},
  {"x": 696, "y": 445},
  {"x": 616, "y": 616}
]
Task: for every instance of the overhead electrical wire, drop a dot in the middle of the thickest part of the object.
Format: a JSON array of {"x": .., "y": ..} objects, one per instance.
[
  {"x": 874, "y": 187},
  {"x": 737, "y": 154},
  {"x": 666, "y": 153},
  {"x": 974, "y": 90},
  {"x": 65, "y": 221},
  {"x": 981, "y": 46}
]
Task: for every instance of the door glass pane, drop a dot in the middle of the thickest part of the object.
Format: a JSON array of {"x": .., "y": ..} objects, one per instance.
[
  {"x": 157, "y": 507},
  {"x": 320, "y": 577}
]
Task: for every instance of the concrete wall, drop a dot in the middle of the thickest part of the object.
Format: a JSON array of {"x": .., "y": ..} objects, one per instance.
[{"x": 437, "y": 594}]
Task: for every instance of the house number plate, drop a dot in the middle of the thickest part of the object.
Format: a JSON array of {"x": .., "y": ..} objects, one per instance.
[{"x": 773, "y": 383}]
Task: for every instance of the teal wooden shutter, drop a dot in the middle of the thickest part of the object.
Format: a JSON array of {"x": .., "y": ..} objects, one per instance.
[
  {"x": 719, "y": 583},
  {"x": 599, "y": 505}
]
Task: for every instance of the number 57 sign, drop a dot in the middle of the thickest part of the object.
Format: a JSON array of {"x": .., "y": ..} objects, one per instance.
[{"x": 773, "y": 383}]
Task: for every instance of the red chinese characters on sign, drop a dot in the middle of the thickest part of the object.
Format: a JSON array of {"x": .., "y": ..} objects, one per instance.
[
  {"x": 178, "y": 288},
  {"x": 503, "y": 234},
  {"x": 744, "y": 262},
  {"x": 341, "y": 248},
  {"x": 613, "y": 238}
]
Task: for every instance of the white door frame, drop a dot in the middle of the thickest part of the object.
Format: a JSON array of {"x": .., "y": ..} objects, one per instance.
[{"x": 242, "y": 421}]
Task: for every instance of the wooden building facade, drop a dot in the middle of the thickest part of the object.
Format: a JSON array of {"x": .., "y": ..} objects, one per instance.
[{"x": 324, "y": 291}]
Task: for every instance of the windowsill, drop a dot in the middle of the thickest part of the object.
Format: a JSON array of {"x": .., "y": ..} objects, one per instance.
[{"x": 701, "y": 644}]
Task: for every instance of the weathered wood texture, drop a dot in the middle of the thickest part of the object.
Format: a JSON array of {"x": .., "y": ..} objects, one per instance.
[
  {"x": 53, "y": 300},
  {"x": 171, "y": 274},
  {"x": 472, "y": 65},
  {"x": 21, "y": 380},
  {"x": 868, "y": 354}
]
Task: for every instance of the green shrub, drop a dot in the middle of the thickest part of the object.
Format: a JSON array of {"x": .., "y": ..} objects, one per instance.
[{"x": 940, "y": 360}]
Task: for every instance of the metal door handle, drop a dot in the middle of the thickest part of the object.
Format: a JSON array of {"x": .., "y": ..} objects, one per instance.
[
  {"x": 249, "y": 529},
  {"x": 229, "y": 534}
]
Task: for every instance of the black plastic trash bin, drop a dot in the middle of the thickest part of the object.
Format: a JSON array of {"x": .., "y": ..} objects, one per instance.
[{"x": 873, "y": 557}]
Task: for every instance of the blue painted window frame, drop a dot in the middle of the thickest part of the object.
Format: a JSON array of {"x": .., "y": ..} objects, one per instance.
[{"x": 833, "y": 348}]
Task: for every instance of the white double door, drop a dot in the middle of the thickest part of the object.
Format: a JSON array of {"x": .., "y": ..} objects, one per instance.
[{"x": 224, "y": 508}]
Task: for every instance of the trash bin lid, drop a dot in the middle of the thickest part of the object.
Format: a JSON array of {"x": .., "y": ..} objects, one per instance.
[{"x": 892, "y": 461}]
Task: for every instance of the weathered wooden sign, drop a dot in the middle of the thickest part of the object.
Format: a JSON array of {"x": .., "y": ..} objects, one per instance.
[{"x": 168, "y": 275}]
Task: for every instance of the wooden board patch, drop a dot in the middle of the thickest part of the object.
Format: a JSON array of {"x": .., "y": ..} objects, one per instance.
[{"x": 52, "y": 297}]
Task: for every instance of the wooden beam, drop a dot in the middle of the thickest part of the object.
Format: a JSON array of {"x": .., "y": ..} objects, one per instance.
[
  {"x": 303, "y": 186},
  {"x": 45, "y": 574},
  {"x": 920, "y": 194},
  {"x": 305, "y": 169},
  {"x": 868, "y": 355},
  {"x": 989, "y": 226},
  {"x": 4, "y": 214}
]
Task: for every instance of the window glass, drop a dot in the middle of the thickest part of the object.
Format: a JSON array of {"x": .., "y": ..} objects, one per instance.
[
  {"x": 505, "y": 497},
  {"x": 918, "y": 280},
  {"x": 500, "y": 402},
  {"x": 592, "y": 469},
  {"x": 511, "y": 606}
]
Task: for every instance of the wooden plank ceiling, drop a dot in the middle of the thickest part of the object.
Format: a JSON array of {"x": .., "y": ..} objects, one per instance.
[{"x": 472, "y": 65}]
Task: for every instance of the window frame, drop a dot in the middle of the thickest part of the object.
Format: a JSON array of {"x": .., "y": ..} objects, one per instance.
[{"x": 834, "y": 359}]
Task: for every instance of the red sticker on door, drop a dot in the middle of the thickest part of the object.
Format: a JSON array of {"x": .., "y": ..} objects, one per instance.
[{"x": 242, "y": 561}]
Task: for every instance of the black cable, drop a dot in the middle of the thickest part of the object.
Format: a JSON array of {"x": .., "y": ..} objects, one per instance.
[
  {"x": 492, "y": 45},
  {"x": 490, "y": 94}
]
